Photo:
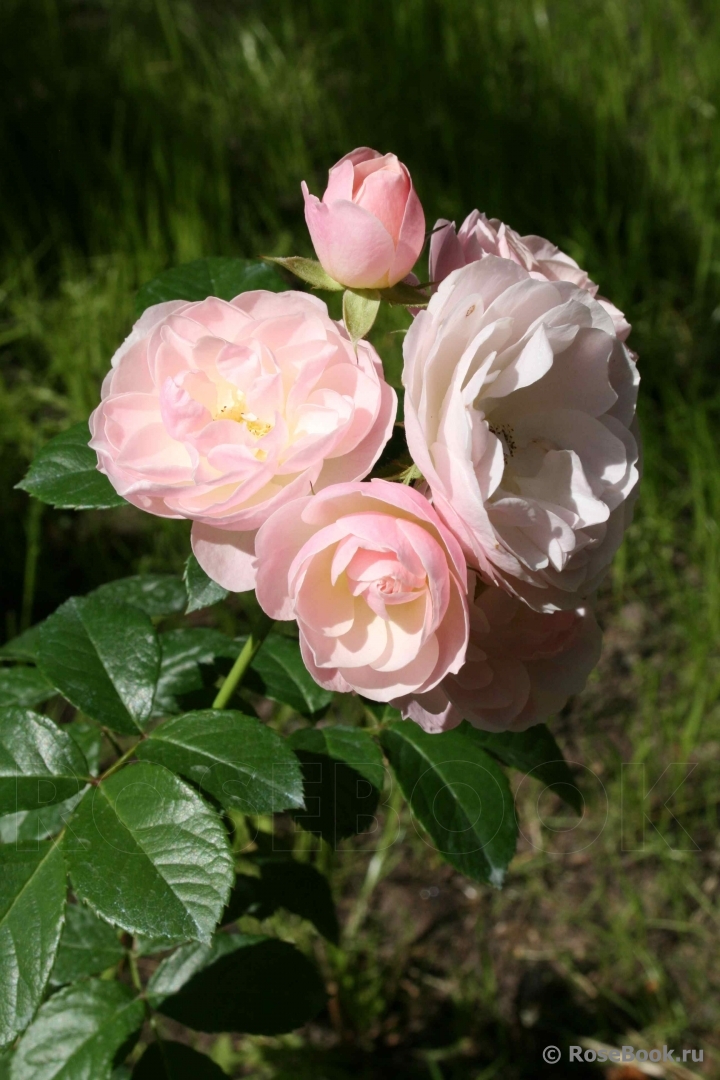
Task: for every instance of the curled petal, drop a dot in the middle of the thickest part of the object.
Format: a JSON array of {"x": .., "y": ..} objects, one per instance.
[
  {"x": 377, "y": 584},
  {"x": 352, "y": 245},
  {"x": 226, "y": 557}
]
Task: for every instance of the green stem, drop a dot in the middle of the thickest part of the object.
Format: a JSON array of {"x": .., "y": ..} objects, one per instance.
[
  {"x": 112, "y": 740},
  {"x": 31, "y": 560},
  {"x": 376, "y": 866},
  {"x": 137, "y": 983},
  {"x": 120, "y": 762},
  {"x": 134, "y": 973},
  {"x": 237, "y": 671}
]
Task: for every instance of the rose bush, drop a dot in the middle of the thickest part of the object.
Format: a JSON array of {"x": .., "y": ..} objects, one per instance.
[
  {"x": 521, "y": 667},
  {"x": 479, "y": 236},
  {"x": 520, "y": 414},
  {"x": 221, "y": 412},
  {"x": 377, "y": 584},
  {"x": 257, "y": 419},
  {"x": 369, "y": 227}
]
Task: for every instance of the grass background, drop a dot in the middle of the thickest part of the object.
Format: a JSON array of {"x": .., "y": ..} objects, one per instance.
[{"x": 137, "y": 134}]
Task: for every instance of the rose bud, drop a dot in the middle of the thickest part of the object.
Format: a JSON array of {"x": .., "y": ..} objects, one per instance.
[
  {"x": 521, "y": 667},
  {"x": 479, "y": 236},
  {"x": 221, "y": 412},
  {"x": 376, "y": 582},
  {"x": 369, "y": 229},
  {"x": 520, "y": 414}
]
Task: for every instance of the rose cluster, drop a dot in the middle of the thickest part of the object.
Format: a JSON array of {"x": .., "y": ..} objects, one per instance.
[{"x": 467, "y": 596}]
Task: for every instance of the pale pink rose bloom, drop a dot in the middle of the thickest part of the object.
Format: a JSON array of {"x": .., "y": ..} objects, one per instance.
[
  {"x": 221, "y": 412},
  {"x": 369, "y": 228},
  {"x": 521, "y": 667},
  {"x": 376, "y": 582},
  {"x": 479, "y": 236},
  {"x": 520, "y": 414}
]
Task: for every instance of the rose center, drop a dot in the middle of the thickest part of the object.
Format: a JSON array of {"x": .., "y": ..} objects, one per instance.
[
  {"x": 506, "y": 435},
  {"x": 389, "y": 586},
  {"x": 235, "y": 408}
]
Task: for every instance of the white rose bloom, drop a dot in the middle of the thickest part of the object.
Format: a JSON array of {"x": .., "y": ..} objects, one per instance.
[
  {"x": 480, "y": 236},
  {"x": 520, "y": 413}
]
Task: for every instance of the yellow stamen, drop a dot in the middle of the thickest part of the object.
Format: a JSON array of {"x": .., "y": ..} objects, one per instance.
[
  {"x": 237, "y": 411},
  {"x": 255, "y": 426}
]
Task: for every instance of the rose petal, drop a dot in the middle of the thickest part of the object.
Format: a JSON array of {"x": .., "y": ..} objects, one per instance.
[{"x": 227, "y": 557}]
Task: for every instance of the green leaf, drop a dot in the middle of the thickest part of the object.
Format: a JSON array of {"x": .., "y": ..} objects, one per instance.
[
  {"x": 286, "y": 883},
  {"x": 87, "y": 946},
  {"x": 243, "y": 763},
  {"x": 308, "y": 270},
  {"x": 23, "y": 647},
  {"x": 406, "y": 295},
  {"x": 350, "y": 745},
  {"x": 255, "y": 985},
  {"x": 343, "y": 775},
  {"x": 147, "y": 946},
  {"x": 32, "y": 906},
  {"x": 212, "y": 276},
  {"x": 39, "y": 763},
  {"x": 459, "y": 794},
  {"x": 24, "y": 686},
  {"x": 89, "y": 738},
  {"x": 148, "y": 854},
  {"x": 533, "y": 751},
  {"x": 176, "y": 970},
  {"x": 285, "y": 678},
  {"x": 360, "y": 308},
  {"x": 104, "y": 658},
  {"x": 27, "y": 827},
  {"x": 155, "y": 594},
  {"x": 382, "y": 711},
  {"x": 202, "y": 591},
  {"x": 188, "y": 668},
  {"x": 175, "y": 1061},
  {"x": 65, "y": 474},
  {"x": 78, "y": 1032}
]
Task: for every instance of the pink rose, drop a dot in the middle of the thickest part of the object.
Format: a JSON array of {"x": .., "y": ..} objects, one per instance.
[
  {"x": 376, "y": 582},
  {"x": 221, "y": 412},
  {"x": 479, "y": 236},
  {"x": 520, "y": 414},
  {"x": 521, "y": 667},
  {"x": 369, "y": 228}
]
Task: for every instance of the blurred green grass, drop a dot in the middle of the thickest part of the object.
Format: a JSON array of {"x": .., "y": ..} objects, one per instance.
[{"x": 140, "y": 133}]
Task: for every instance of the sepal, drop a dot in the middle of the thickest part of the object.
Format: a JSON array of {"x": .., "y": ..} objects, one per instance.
[{"x": 308, "y": 270}]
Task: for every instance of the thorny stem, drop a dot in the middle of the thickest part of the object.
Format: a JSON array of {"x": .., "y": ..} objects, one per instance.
[{"x": 237, "y": 672}]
